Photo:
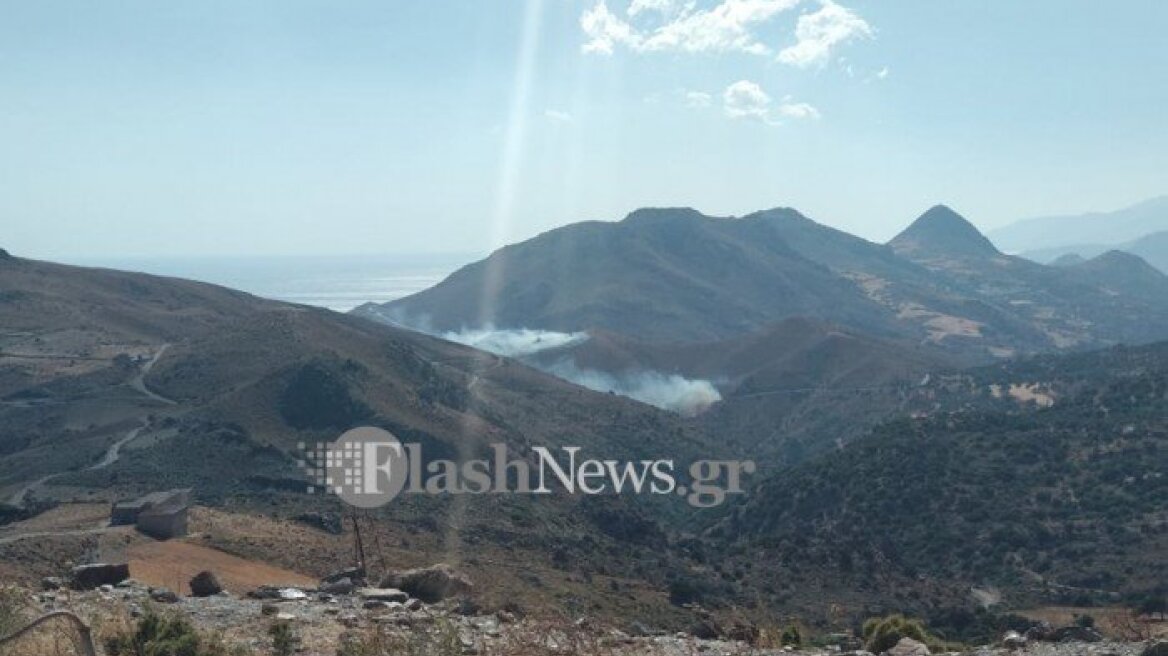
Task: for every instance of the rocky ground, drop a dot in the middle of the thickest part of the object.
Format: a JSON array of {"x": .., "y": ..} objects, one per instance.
[{"x": 373, "y": 621}]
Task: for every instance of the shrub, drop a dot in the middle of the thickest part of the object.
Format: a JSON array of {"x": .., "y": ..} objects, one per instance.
[
  {"x": 882, "y": 633},
  {"x": 791, "y": 637},
  {"x": 169, "y": 635},
  {"x": 283, "y": 640}
]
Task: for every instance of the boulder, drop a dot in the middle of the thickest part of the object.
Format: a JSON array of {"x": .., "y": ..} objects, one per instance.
[
  {"x": 382, "y": 594},
  {"x": 1039, "y": 632},
  {"x": 163, "y": 595},
  {"x": 430, "y": 584},
  {"x": 204, "y": 584},
  {"x": 1013, "y": 640},
  {"x": 291, "y": 594},
  {"x": 52, "y": 583},
  {"x": 908, "y": 647},
  {"x": 342, "y": 586},
  {"x": 88, "y": 577},
  {"x": 1076, "y": 634}
]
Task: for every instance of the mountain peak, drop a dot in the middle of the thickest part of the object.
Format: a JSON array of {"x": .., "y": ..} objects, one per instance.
[
  {"x": 4, "y": 255},
  {"x": 1117, "y": 260},
  {"x": 655, "y": 214},
  {"x": 942, "y": 231}
]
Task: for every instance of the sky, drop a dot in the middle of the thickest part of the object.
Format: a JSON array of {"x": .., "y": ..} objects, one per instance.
[{"x": 316, "y": 127}]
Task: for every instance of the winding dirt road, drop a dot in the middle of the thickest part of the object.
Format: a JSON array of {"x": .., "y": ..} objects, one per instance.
[{"x": 114, "y": 451}]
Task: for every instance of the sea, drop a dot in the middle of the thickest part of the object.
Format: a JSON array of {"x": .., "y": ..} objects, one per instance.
[{"x": 336, "y": 282}]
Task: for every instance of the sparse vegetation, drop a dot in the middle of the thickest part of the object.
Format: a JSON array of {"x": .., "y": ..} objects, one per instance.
[
  {"x": 14, "y": 609},
  {"x": 882, "y": 633},
  {"x": 283, "y": 639},
  {"x": 156, "y": 634}
]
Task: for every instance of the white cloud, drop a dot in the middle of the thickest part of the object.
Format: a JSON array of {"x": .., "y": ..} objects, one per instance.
[
  {"x": 818, "y": 32},
  {"x": 746, "y": 99},
  {"x": 666, "y": 8},
  {"x": 796, "y": 110},
  {"x": 606, "y": 30},
  {"x": 698, "y": 99},
  {"x": 557, "y": 116},
  {"x": 882, "y": 73},
  {"x": 727, "y": 27}
]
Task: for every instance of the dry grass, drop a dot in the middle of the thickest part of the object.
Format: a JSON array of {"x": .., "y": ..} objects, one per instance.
[{"x": 172, "y": 564}]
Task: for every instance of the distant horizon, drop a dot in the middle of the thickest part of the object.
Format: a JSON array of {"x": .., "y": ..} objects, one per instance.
[{"x": 93, "y": 257}]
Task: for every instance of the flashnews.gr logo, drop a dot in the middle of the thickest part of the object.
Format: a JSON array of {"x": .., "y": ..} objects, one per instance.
[{"x": 367, "y": 467}]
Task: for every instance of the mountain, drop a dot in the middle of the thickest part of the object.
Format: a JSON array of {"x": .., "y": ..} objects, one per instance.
[
  {"x": 1152, "y": 248},
  {"x": 659, "y": 274},
  {"x": 1124, "y": 273},
  {"x": 892, "y": 480},
  {"x": 675, "y": 275},
  {"x": 941, "y": 232},
  {"x": 1068, "y": 259},
  {"x": 1041, "y": 479},
  {"x": 1110, "y": 228}
]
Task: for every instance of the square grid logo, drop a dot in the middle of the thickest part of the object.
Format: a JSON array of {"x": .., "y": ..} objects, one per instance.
[{"x": 336, "y": 468}]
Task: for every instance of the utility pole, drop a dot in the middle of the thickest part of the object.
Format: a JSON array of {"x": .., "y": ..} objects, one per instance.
[{"x": 359, "y": 544}]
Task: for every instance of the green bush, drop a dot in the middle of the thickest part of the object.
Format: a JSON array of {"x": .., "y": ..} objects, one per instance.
[
  {"x": 882, "y": 633},
  {"x": 791, "y": 637},
  {"x": 169, "y": 635},
  {"x": 283, "y": 640}
]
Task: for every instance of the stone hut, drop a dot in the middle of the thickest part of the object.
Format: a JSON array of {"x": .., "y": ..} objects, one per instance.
[{"x": 161, "y": 515}]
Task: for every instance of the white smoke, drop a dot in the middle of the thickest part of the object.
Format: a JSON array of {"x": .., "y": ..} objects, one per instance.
[
  {"x": 666, "y": 391},
  {"x": 513, "y": 343}
]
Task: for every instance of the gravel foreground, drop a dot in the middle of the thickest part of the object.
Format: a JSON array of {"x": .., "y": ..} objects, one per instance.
[{"x": 323, "y": 624}]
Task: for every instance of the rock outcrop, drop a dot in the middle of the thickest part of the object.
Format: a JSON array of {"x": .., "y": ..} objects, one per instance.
[
  {"x": 88, "y": 577},
  {"x": 430, "y": 584}
]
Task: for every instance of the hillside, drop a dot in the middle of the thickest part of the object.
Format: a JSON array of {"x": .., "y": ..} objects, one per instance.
[
  {"x": 1041, "y": 479},
  {"x": 116, "y": 384},
  {"x": 658, "y": 274},
  {"x": 669, "y": 275}
]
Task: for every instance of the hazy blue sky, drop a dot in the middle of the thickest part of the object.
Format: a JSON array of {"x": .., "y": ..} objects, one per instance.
[{"x": 290, "y": 126}]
